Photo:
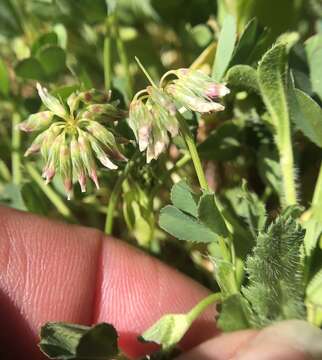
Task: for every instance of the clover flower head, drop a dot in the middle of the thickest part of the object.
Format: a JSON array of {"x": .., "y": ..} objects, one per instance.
[
  {"x": 152, "y": 119},
  {"x": 72, "y": 136},
  {"x": 196, "y": 91},
  {"x": 153, "y": 111}
]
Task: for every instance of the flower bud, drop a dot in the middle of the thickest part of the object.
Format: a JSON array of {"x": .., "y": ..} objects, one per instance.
[
  {"x": 53, "y": 159},
  {"x": 87, "y": 157},
  {"x": 65, "y": 167},
  {"x": 36, "y": 144},
  {"x": 79, "y": 170},
  {"x": 51, "y": 102},
  {"x": 95, "y": 111},
  {"x": 36, "y": 122},
  {"x": 95, "y": 96},
  {"x": 101, "y": 154}
]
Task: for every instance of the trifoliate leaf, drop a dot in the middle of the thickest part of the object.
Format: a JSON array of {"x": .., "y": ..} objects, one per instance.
[
  {"x": 276, "y": 289},
  {"x": 234, "y": 314},
  {"x": 187, "y": 220},
  {"x": 168, "y": 331},
  {"x": 75, "y": 342}
]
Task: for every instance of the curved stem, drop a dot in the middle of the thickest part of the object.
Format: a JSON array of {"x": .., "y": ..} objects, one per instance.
[
  {"x": 194, "y": 313},
  {"x": 188, "y": 138}
]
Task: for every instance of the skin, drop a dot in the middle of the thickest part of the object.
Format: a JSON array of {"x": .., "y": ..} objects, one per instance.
[{"x": 50, "y": 271}]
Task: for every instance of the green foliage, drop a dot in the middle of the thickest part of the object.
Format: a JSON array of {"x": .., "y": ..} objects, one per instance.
[
  {"x": 307, "y": 116},
  {"x": 243, "y": 77},
  {"x": 67, "y": 341},
  {"x": 275, "y": 269},
  {"x": 234, "y": 314},
  {"x": 313, "y": 47},
  {"x": 225, "y": 48},
  {"x": 188, "y": 220}
]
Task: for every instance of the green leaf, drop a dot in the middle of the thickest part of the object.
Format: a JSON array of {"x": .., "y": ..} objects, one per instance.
[
  {"x": 52, "y": 59},
  {"x": 313, "y": 228},
  {"x": 184, "y": 198},
  {"x": 209, "y": 214},
  {"x": 269, "y": 168},
  {"x": 234, "y": 314},
  {"x": 275, "y": 270},
  {"x": 313, "y": 47},
  {"x": 70, "y": 342},
  {"x": 307, "y": 115},
  {"x": 253, "y": 211},
  {"x": 44, "y": 40},
  {"x": 246, "y": 43},
  {"x": 243, "y": 77},
  {"x": 30, "y": 68},
  {"x": 184, "y": 227},
  {"x": 225, "y": 47},
  {"x": 168, "y": 331},
  {"x": 4, "y": 79}
]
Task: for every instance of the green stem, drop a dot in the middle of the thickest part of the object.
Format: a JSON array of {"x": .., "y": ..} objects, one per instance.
[
  {"x": 194, "y": 313},
  {"x": 49, "y": 192},
  {"x": 317, "y": 196},
  {"x": 112, "y": 201},
  {"x": 188, "y": 138},
  {"x": 107, "y": 61},
  {"x": 124, "y": 60},
  {"x": 145, "y": 72},
  {"x": 16, "y": 157}
]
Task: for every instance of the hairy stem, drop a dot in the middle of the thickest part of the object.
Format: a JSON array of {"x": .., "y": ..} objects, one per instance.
[
  {"x": 191, "y": 145},
  {"x": 16, "y": 157}
]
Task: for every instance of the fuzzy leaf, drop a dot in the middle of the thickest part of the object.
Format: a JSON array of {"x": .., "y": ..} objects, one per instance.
[
  {"x": 307, "y": 115},
  {"x": 243, "y": 77},
  {"x": 225, "y": 48},
  {"x": 275, "y": 270},
  {"x": 272, "y": 82},
  {"x": 70, "y": 342},
  {"x": 234, "y": 314}
]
